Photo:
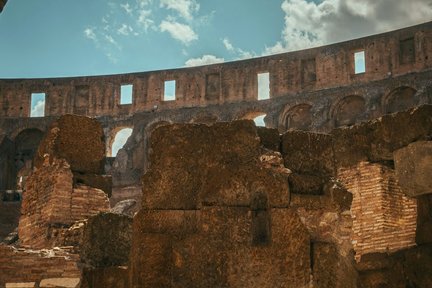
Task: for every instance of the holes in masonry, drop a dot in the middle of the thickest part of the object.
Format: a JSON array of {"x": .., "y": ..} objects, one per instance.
[
  {"x": 37, "y": 105},
  {"x": 169, "y": 90},
  {"x": 126, "y": 94}
]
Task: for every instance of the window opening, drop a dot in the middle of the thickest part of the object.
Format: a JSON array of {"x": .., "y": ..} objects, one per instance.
[
  {"x": 169, "y": 90},
  {"x": 263, "y": 86},
  {"x": 37, "y": 105},
  {"x": 126, "y": 94},
  {"x": 359, "y": 62}
]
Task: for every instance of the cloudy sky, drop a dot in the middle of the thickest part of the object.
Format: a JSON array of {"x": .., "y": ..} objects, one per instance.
[{"x": 47, "y": 38}]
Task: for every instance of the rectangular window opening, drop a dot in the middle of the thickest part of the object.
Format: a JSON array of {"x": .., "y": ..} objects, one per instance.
[
  {"x": 37, "y": 105},
  {"x": 169, "y": 90},
  {"x": 126, "y": 94},
  {"x": 263, "y": 86},
  {"x": 359, "y": 62},
  {"x": 406, "y": 51}
]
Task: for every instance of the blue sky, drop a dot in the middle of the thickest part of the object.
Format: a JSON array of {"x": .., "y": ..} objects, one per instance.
[{"x": 54, "y": 38}]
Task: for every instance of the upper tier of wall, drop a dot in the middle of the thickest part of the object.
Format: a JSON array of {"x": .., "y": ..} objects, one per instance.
[{"x": 387, "y": 55}]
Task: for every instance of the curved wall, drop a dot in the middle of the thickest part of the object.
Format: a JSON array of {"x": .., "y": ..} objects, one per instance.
[{"x": 387, "y": 56}]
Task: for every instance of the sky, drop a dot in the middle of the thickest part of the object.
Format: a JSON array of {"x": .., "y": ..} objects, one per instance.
[
  {"x": 59, "y": 38},
  {"x": 56, "y": 38}
]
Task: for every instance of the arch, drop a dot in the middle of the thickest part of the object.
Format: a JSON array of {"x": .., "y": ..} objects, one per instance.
[
  {"x": 399, "y": 99},
  {"x": 349, "y": 110},
  {"x": 117, "y": 142},
  {"x": 298, "y": 117},
  {"x": 257, "y": 116},
  {"x": 26, "y": 145},
  {"x": 202, "y": 118}
]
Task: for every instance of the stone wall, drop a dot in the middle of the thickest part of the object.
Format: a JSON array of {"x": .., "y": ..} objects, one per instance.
[{"x": 331, "y": 66}]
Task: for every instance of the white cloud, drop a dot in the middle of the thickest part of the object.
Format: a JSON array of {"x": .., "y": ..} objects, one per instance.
[
  {"x": 240, "y": 53},
  {"x": 38, "y": 110},
  {"x": 112, "y": 41},
  {"x": 185, "y": 8},
  {"x": 204, "y": 60},
  {"x": 127, "y": 8},
  {"x": 308, "y": 24},
  {"x": 144, "y": 3},
  {"x": 125, "y": 30},
  {"x": 179, "y": 31},
  {"x": 228, "y": 44},
  {"x": 90, "y": 34},
  {"x": 144, "y": 19}
]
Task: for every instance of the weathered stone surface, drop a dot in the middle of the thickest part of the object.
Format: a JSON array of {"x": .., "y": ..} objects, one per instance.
[
  {"x": 376, "y": 140},
  {"x": 413, "y": 165},
  {"x": 199, "y": 157},
  {"x": 306, "y": 184},
  {"x": 424, "y": 219},
  {"x": 117, "y": 277},
  {"x": 406, "y": 268},
  {"x": 330, "y": 269},
  {"x": 270, "y": 138},
  {"x": 102, "y": 182},
  {"x": 106, "y": 240},
  {"x": 125, "y": 207},
  {"x": 78, "y": 140},
  {"x": 60, "y": 283},
  {"x": 237, "y": 230},
  {"x": 21, "y": 285},
  {"x": 308, "y": 152}
]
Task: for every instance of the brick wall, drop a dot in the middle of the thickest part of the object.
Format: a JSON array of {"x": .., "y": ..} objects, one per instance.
[
  {"x": 384, "y": 219},
  {"x": 24, "y": 265},
  {"x": 51, "y": 204}
]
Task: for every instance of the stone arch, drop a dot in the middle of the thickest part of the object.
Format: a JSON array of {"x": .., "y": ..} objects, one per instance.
[
  {"x": 148, "y": 130},
  {"x": 203, "y": 118},
  {"x": 118, "y": 137},
  {"x": 258, "y": 117},
  {"x": 297, "y": 117},
  {"x": 26, "y": 144},
  {"x": 399, "y": 99},
  {"x": 349, "y": 110}
]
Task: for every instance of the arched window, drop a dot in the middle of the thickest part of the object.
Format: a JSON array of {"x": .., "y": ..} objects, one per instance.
[{"x": 120, "y": 140}]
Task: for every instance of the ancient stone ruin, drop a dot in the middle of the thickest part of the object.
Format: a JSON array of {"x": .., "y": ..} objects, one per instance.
[{"x": 334, "y": 191}]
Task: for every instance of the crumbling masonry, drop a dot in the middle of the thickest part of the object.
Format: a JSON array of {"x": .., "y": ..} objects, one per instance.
[{"x": 335, "y": 191}]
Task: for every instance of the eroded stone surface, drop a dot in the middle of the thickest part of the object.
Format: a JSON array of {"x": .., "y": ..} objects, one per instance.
[
  {"x": 413, "y": 165},
  {"x": 78, "y": 140}
]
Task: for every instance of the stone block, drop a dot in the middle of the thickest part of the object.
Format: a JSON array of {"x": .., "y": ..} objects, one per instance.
[
  {"x": 102, "y": 182},
  {"x": 201, "y": 165},
  {"x": 376, "y": 140},
  {"x": 308, "y": 152},
  {"x": 413, "y": 166},
  {"x": 106, "y": 240},
  {"x": 77, "y": 139},
  {"x": 424, "y": 219},
  {"x": 21, "y": 285},
  {"x": 117, "y": 277},
  {"x": 270, "y": 138},
  {"x": 60, "y": 283}
]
